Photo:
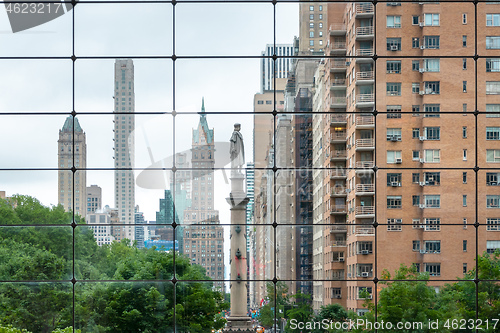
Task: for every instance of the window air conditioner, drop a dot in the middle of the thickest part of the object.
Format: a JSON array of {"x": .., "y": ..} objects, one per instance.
[
  {"x": 394, "y": 184},
  {"x": 399, "y": 160},
  {"x": 422, "y": 251},
  {"x": 394, "y": 138},
  {"x": 422, "y": 206},
  {"x": 394, "y": 47},
  {"x": 421, "y": 160},
  {"x": 421, "y": 24},
  {"x": 422, "y": 47},
  {"x": 421, "y": 92},
  {"x": 347, "y": 63},
  {"x": 421, "y": 138},
  {"x": 337, "y": 296},
  {"x": 421, "y": 70},
  {"x": 365, "y": 252},
  {"x": 421, "y": 183},
  {"x": 364, "y": 274},
  {"x": 493, "y": 183},
  {"x": 341, "y": 259},
  {"x": 399, "y": 220}
]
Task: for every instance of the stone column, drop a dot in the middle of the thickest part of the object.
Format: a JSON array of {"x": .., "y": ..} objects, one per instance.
[{"x": 238, "y": 321}]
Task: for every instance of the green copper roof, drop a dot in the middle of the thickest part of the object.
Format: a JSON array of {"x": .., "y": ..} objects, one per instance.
[
  {"x": 204, "y": 125},
  {"x": 68, "y": 125}
]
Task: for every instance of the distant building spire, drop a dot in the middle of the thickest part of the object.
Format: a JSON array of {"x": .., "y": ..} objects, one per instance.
[{"x": 203, "y": 104}]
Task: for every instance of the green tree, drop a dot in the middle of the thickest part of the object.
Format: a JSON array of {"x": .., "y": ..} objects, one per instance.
[
  {"x": 276, "y": 298},
  {"x": 301, "y": 311},
  {"x": 405, "y": 301}
]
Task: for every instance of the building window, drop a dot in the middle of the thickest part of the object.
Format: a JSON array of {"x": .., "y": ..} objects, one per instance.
[
  {"x": 311, "y": 34},
  {"x": 311, "y": 42},
  {"x": 320, "y": 8},
  {"x": 415, "y": 133},
  {"x": 431, "y": 110},
  {"x": 464, "y": 177},
  {"x": 320, "y": 25},
  {"x": 414, "y": 20},
  {"x": 416, "y": 155},
  {"x": 432, "y": 201},
  {"x": 493, "y": 224},
  {"x": 492, "y": 42},
  {"x": 394, "y": 224},
  {"x": 493, "y": 20},
  {"x": 415, "y": 178},
  {"x": 464, "y": 132},
  {"x": 394, "y": 202},
  {"x": 492, "y": 246},
  {"x": 320, "y": 16},
  {"x": 464, "y": 200},
  {"x": 393, "y": 21},
  {"x": 393, "y": 156},
  {"x": 432, "y": 178},
  {"x": 493, "y": 155},
  {"x": 393, "y": 88},
  {"x": 394, "y": 134},
  {"x": 393, "y": 111},
  {"x": 432, "y": 133},
  {"x": 415, "y": 200},
  {"x": 311, "y": 25},
  {"x": 415, "y": 65},
  {"x": 433, "y": 269},
  {"x": 311, "y": 16},
  {"x": 464, "y": 18},
  {"x": 311, "y": 8},
  {"x": 431, "y": 42},
  {"x": 415, "y": 109},
  {"x": 464, "y": 86},
  {"x": 432, "y": 156},
  {"x": 394, "y": 66},
  {"x": 493, "y": 201},
  {"x": 394, "y": 44},
  {"x": 394, "y": 179},
  {"x": 415, "y": 42},
  {"x": 431, "y": 19},
  {"x": 464, "y": 41},
  {"x": 464, "y": 63},
  {"x": 431, "y": 65},
  {"x": 432, "y": 224},
  {"x": 432, "y": 246},
  {"x": 492, "y": 65},
  {"x": 415, "y": 87},
  {"x": 492, "y": 133},
  {"x": 492, "y": 179},
  {"x": 431, "y": 87}
]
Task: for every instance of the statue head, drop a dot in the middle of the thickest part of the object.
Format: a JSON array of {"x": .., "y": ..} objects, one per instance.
[{"x": 237, "y": 127}]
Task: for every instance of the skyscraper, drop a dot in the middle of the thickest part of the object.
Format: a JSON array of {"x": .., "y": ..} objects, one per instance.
[
  {"x": 94, "y": 199},
  {"x": 278, "y": 68},
  {"x": 203, "y": 236},
  {"x": 124, "y": 125},
  {"x": 72, "y": 144}
]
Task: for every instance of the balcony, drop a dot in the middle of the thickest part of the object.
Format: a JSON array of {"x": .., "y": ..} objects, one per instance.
[
  {"x": 365, "y": 144},
  {"x": 338, "y": 243},
  {"x": 338, "y": 47},
  {"x": 338, "y": 210},
  {"x": 338, "y": 137},
  {"x": 365, "y": 55},
  {"x": 338, "y": 155},
  {"x": 338, "y": 229},
  {"x": 364, "y": 230},
  {"x": 364, "y": 10},
  {"x": 338, "y": 65},
  {"x": 338, "y": 102},
  {"x": 364, "y": 33},
  {"x": 365, "y": 100},
  {"x": 338, "y": 119},
  {"x": 338, "y": 29},
  {"x": 338, "y": 192},
  {"x": 364, "y": 166},
  {"x": 365, "y": 78},
  {"x": 365, "y": 189},
  {"x": 365, "y": 211},
  {"x": 338, "y": 174},
  {"x": 365, "y": 122},
  {"x": 338, "y": 84}
]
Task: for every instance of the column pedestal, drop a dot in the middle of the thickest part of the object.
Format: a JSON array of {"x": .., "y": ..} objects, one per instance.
[{"x": 238, "y": 321}]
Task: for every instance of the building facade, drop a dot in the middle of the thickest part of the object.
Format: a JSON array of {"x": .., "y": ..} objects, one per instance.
[
  {"x": 94, "y": 198},
  {"x": 202, "y": 234},
  {"x": 421, "y": 193},
  {"x": 124, "y": 143},
  {"x": 278, "y": 68},
  {"x": 72, "y": 151}
]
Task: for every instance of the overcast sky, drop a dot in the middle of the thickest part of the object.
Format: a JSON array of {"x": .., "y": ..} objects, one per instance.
[{"x": 130, "y": 30}]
